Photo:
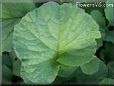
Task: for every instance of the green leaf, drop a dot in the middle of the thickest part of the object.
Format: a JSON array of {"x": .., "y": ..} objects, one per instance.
[
  {"x": 80, "y": 77},
  {"x": 50, "y": 33},
  {"x": 109, "y": 12},
  {"x": 17, "y": 10},
  {"x": 66, "y": 71},
  {"x": 111, "y": 69},
  {"x": 41, "y": 73},
  {"x": 91, "y": 67},
  {"x": 7, "y": 33},
  {"x": 6, "y": 68},
  {"x": 107, "y": 54},
  {"x": 109, "y": 36},
  {"x": 98, "y": 17},
  {"x": 6, "y": 75},
  {"x": 107, "y": 81},
  {"x": 16, "y": 67},
  {"x": 6, "y": 60},
  {"x": 10, "y": 17},
  {"x": 77, "y": 57},
  {"x": 16, "y": 63}
]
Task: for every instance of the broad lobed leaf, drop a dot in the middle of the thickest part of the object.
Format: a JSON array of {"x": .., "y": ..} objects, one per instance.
[{"x": 46, "y": 38}]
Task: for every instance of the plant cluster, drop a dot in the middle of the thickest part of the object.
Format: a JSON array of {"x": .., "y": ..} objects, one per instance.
[{"x": 57, "y": 43}]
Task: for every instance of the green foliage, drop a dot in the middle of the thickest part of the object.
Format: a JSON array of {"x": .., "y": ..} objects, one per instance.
[
  {"x": 107, "y": 81},
  {"x": 6, "y": 69},
  {"x": 98, "y": 17},
  {"x": 16, "y": 64},
  {"x": 91, "y": 67},
  {"x": 65, "y": 42},
  {"x": 17, "y": 10},
  {"x": 66, "y": 71},
  {"x": 109, "y": 36},
  {"x": 7, "y": 75},
  {"x": 107, "y": 53},
  {"x": 109, "y": 12},
  {"x": 11, "y": 15},
  {"x": 81, "y": 77},
  {"x": 7, "y": 33},
  {"x": 57, "y": 43},
  {"x": 111, "y": 69}
]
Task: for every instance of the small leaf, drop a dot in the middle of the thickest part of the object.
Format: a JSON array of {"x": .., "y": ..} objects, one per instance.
[
  {"x": 80, "y": 77},
  {"x": 109, "y": 12},
  {"x": 98, "y": 17},
  {"x": 107, "y": 53},
  {"x": 109, "y": 36},
  {"x": 91, "y": 67}
]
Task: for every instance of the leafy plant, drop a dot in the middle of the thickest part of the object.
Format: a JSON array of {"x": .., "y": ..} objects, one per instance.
[{"x": 56, "y": 43}]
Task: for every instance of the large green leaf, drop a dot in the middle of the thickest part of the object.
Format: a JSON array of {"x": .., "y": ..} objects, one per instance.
[
  {"x": 11, "y": 15},
  {"x": 91, "y": 67},
  {"x": 50, "y": 33},
  {"x": 109, "y": 12}
]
